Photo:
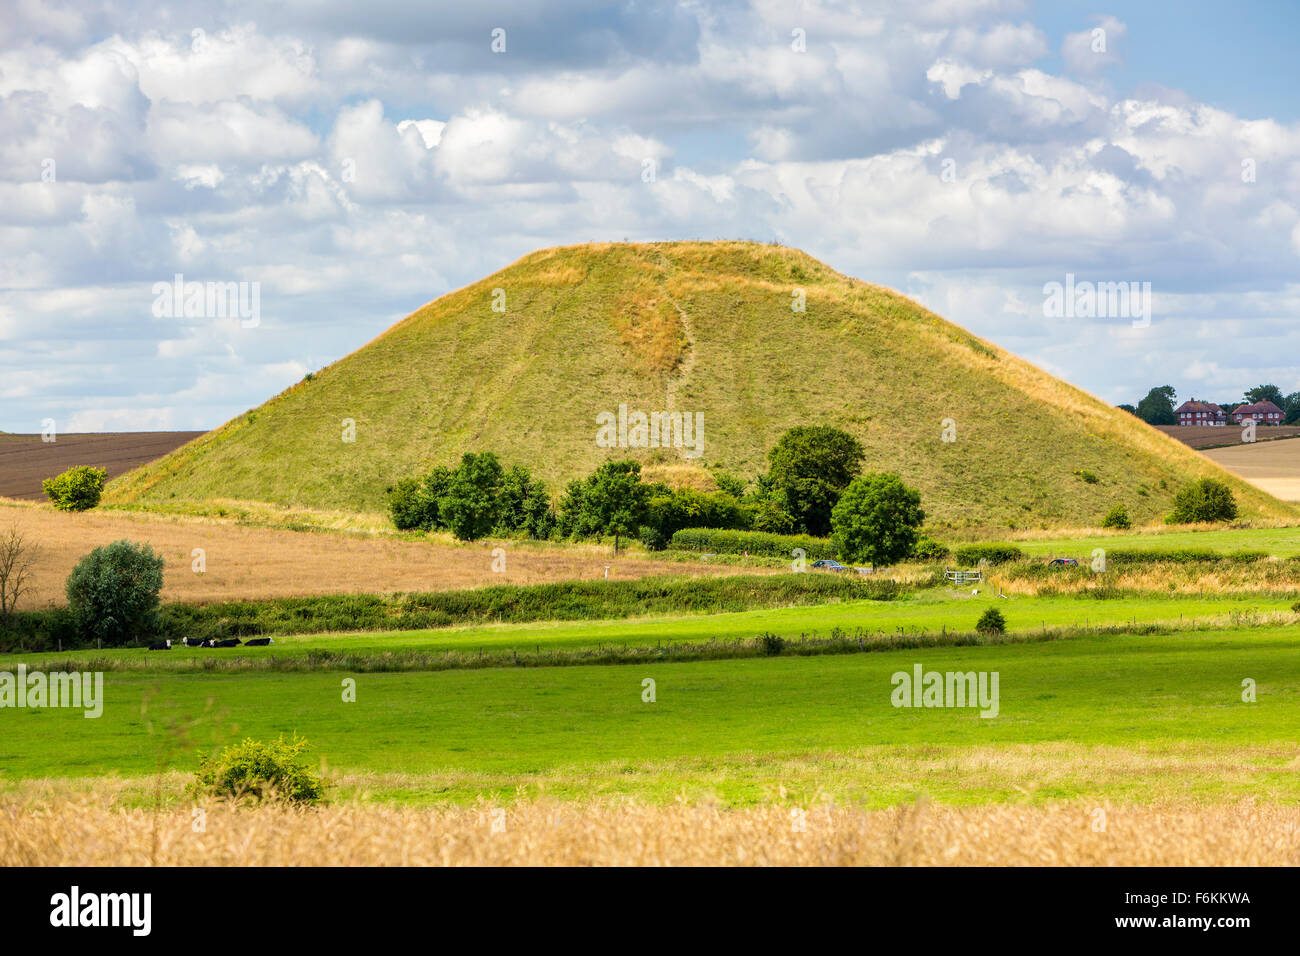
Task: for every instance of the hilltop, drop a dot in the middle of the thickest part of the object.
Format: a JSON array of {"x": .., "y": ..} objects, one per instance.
[{"x": 696, "y": 327}]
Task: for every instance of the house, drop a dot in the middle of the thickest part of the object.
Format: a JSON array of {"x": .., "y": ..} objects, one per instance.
[
  {"x": 1192, "y": 412},
  {"x": 1263, "y": 413}
]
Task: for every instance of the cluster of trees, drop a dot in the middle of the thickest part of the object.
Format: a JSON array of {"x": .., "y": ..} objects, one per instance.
[
  {"x": 813, "y": 485},
  {"x": 1158, "y": 406}
]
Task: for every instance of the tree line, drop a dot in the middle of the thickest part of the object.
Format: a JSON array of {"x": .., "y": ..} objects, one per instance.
[
  {"x": 814, "y": 485},
  {"x": 1159, "y": 405}
]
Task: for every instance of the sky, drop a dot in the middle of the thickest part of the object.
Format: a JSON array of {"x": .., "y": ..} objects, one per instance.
[{"x": 346, "y": 163}]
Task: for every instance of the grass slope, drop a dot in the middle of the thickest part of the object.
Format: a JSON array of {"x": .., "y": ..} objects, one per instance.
[{"x": 699, "y": 327}]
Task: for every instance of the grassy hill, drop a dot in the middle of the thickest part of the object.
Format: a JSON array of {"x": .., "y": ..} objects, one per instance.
[{"x": 697, "y": 327}]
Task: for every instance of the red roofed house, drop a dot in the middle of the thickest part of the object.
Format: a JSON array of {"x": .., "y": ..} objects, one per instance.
[
  {"x": 1193, "y": 412},
  {"x": 1265, "y": 413}
]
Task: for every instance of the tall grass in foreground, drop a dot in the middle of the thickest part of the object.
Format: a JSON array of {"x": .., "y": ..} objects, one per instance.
[{"x": 83, "y": 832}]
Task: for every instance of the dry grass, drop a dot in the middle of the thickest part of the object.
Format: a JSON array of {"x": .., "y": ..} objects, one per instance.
[
  {"x": 1271, "y": 577},
  {"x": 252, "y": 562},
  {"x": 86, "y": 832}
]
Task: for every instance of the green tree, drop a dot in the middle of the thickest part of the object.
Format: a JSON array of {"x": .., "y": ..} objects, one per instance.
[
  {"x": 1158, "y": 407},
  {"x": 1117, "y": 518},
  {"x": 113, "y": 592},
  {"x": 1206, "y": 500},
  {"x": 77, "y": 489},
  {"x": 808, "y": 467},
  {"x": 469, "y": 505},
  {"x": 1292, "y": 408},
  {"x": 611, "y": 500},
  {"x": 524, "y": 505},
  {"x": 1266, "y": 393},
  {"x": 877, "y": 519}
]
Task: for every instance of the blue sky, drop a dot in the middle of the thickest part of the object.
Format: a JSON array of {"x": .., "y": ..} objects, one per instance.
[{"x": 352, "y": 162}]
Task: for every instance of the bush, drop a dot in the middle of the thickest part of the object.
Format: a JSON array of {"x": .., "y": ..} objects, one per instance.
[
  {"x": 113, "y": 593},
  {"x": 772, "y": 644},
  {"x": 757, "y": 543},
  {"x": 1117, "y": 517},
  {"x": 991, "y": 622},
  {"x": 927, "y": 549},
  {"x": 1088, "y": 477},
  {"x": 876, "y": 520},
  {"x": 1206, "y": 500},
  {"x": 670, "y": 510},
  {"x": 77, "y": 489},
  {"x": 256, "y": 771},
  {"x": 970, "y": 555},
  {"x": 406, "y": 505}
]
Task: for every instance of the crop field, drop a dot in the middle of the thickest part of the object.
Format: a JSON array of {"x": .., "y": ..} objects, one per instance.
[
  {"x": 27, "y": 460},
  {"x": 1273, "y": 466},
  {"x": 248, "y": 561}
]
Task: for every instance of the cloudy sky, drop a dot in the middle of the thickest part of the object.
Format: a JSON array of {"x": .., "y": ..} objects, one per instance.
[{"x": 358, "y": 159}]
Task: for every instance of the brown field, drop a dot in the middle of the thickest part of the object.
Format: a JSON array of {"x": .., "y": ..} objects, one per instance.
[
  {"x": 26, "y": 461},
  {"x": 1201, "y": 437},
  {"x": 1272, "y": 466},
  {"x": 245, "y": 563},
  {"x": 88, "y": 832}
]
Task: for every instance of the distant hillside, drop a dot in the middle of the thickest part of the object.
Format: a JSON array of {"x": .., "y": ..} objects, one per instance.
[{"x": 700, "y": 327}]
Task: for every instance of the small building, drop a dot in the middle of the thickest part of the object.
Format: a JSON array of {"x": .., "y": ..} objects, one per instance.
[
  {"x": 1192, "y": 412},
  {"x": 1262, "y": 413}
]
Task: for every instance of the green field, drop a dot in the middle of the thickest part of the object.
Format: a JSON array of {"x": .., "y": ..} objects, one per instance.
[{"x": 1278, "y": 542}]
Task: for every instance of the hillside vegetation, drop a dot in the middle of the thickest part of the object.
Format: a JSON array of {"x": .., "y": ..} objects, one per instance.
[{"x": 696, "y": 327}]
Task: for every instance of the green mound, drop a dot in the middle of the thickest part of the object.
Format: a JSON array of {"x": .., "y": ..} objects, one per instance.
[{"x": 707, "y": 329}]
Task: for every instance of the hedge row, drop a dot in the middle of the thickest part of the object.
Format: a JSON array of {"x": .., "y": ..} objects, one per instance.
[
  {"x": 759, "y": 543},
  {"x": 568, "y": 601},
  {"x": 970, "y": 555}
]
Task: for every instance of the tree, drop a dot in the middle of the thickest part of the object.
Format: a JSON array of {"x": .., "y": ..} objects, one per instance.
[
  {"x": 991, "y": 622},
  {"x": 113, "y": 592},
  {"x": 77, "y": 489},
  {"x": 1266, "y": 393},
  {"x": 877, "y": 519},
  {"x": 1131, "y": 409},
  {"x": 1158, "y": 407},
  {"x": 1206, "y": 500},
  {"x": 524, "y": 505},
  {"x": 1117, "y": 518},
  {"x": 1292, "y": 408},
  {"x": 809, "y": 467},
  {"x": 469, "y": 505},
  {"x": 16, "y": 559},
  {"x": 611, "y": 500}
]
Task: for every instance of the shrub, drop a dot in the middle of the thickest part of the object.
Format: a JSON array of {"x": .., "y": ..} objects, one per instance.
[
  {"x": 927, "y": 549},
  {"x": 991, "y": 622},
  {"x": 254, "y": 771},
  {"x": 1117, "y": 517},
  {"x": 524, "y": 506},
  {"x": 113, "y": 592},
  {"x": 772, "y": 644},
  {"x": 670, "y": 510},
  {"x": 757, "y": 543},
  {"x": 876, "y": 520},
  {"x": 1206, "y": 500},
  {"x": 1088, "y": 477},
  {"x": 971, "y": 555},
  {"x": 406, "y": 504},
  {"x": 77, "y": 489}
]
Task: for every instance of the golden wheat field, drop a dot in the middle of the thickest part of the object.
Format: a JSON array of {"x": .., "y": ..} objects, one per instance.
[
  {"x": 1272, "y": 466},
  {"x": 86, "y": 832},
  {"x": 247, "y": 562}
]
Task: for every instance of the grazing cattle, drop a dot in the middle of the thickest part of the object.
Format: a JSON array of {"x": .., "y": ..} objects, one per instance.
[
  {"x": 228, "y": 642},
  {"x": 161, "y": 646},
  {"x": 258, "y": 642},
  {"x": 194, "y": 642}
]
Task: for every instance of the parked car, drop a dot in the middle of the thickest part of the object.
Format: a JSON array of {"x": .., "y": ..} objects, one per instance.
[
  {"x": 828, "y": 565},
  {"x": 1063, "y": 563}
]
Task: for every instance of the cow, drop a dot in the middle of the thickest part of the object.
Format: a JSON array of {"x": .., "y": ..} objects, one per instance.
[
  {"x": 161, "y": 645},
  {"x": 259, "y": 642},
  {"x": 194, "y": 642},
  {"x": 228, "y": 642}
]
